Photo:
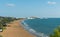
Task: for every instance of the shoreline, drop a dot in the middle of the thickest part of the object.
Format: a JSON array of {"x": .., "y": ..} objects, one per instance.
[
  {"x": 30, "y": 30},
  {"x": 26, "y": 30},
  {"x": 16, "y": 30}
]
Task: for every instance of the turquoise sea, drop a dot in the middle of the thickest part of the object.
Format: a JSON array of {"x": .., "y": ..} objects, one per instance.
[{"x": 38, "y": 25}]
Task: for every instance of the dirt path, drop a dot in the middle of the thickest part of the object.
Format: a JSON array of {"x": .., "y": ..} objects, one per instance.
[{"x": 15, "y": 30}]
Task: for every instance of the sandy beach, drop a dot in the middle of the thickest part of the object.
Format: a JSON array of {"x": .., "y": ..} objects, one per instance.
[{"x": 15, "y": 30}]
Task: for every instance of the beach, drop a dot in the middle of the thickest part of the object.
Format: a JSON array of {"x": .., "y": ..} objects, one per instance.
[{"x": 14, "y": 29}]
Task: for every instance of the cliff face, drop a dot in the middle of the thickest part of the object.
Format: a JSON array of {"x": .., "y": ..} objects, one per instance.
[{"x": 32, "y": 17}]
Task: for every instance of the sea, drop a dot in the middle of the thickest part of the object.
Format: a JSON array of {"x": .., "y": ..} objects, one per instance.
[{"x": 40, "y": 26}]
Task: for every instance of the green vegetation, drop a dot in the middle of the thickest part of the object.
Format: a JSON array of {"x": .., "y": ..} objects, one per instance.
[
  {"x": 5, "y": 20},
  {"x": 56, "y": 32},
  {"x": 4, "y": 28},
  {"x": 1, "y": 36},
  {"x": 1, "y": 27}
]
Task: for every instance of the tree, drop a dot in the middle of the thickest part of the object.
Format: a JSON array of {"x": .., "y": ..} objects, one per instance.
[
  {"x": 1, "y": 27},
  {"x": 56, "y": 32}
]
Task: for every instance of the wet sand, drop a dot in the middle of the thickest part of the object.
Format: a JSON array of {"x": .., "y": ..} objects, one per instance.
[{"x": 15, "y": 30}]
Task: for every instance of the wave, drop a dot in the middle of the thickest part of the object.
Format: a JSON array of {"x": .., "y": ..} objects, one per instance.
[{"x": 32, "y": 31}]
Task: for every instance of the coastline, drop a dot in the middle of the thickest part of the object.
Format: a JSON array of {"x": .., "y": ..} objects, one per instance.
[
  {"x": 16, "y": 30},
  {"x": 30, "y": 30}
]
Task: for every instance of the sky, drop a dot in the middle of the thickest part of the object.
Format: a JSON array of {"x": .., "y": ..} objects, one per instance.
[{"x": 28, "y": 8}]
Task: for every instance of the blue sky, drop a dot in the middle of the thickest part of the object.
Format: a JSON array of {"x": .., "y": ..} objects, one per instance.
[{"x": 27, "y": 8}]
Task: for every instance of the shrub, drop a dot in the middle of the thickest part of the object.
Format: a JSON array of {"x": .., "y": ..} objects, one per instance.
[
  {"x": 56, "y": 32},
  {"x": 1, "y": 36}
]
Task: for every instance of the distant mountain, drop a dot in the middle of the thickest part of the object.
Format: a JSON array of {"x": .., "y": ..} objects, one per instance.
[{"x": 32, "y": 17}]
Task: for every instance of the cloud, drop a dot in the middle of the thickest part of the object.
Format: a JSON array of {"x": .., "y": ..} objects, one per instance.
[
  {"x": 51, "y": 3},
  {"x": 10, "y": 5}
]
